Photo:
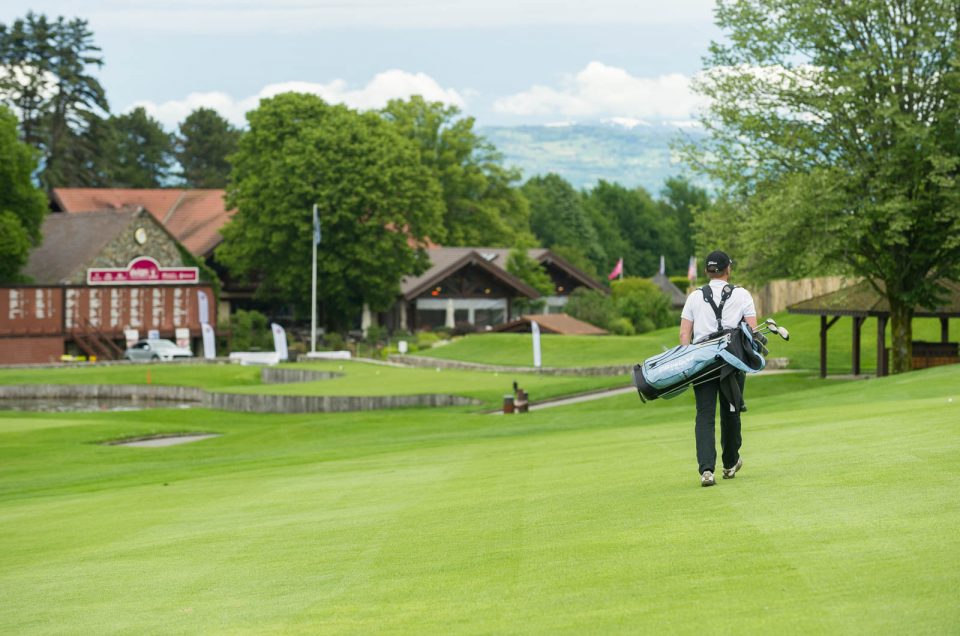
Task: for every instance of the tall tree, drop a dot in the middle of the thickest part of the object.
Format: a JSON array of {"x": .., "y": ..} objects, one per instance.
[
  {"x": 632, "y": 224},
  {"x": 835, "y": 126},
  {"x": 481, "y": 204},
  {"x": 377, "y": 204},
  {"x": 558, "y": 218},
  {"x": 137, "y": 151},
  {"x": 22, "y": 205},
  {"x": 679, "y": 201},
  {"x": 45, "y": 78},
  {"x": 206, "y": 140}
]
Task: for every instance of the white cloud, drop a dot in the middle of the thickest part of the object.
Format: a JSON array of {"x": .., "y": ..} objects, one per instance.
[
  {"x": 608, "y": 92},
  {"x": 375, "y": 94}
]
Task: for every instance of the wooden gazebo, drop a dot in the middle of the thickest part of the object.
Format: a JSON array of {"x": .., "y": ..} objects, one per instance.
[{"x": 862, "y": 301}]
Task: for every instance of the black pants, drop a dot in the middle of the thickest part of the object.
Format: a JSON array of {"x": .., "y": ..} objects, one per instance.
[{"x": 706, "y": 395}]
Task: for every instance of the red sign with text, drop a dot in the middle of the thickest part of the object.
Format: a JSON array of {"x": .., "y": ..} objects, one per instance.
[{"x": 143, "y": 270}]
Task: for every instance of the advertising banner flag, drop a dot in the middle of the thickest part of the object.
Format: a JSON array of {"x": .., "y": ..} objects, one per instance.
[
  {"x": 209, "y": 344},
  {"x": 617, "y": 270},
  {"x": 203, "y": 306},
  {"x": 279, "y": 341}
]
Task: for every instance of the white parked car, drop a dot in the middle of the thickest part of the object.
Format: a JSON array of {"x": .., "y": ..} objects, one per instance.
[{"x": 148, "y": 350}]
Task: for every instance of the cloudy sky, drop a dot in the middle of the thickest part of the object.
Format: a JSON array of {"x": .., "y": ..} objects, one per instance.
[{"x": 503, "y": 61}]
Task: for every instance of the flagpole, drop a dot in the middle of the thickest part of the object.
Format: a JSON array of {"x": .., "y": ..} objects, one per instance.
[{"x": 313, "y": 286}]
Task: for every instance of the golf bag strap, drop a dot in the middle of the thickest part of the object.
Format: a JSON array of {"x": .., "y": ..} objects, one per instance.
[{"x": 717, "y": 309}]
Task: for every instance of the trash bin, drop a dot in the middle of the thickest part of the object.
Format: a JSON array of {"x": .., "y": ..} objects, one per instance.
[{"x": 507, "y": 404}]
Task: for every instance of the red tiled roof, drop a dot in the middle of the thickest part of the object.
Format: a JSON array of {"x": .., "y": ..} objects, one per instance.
[
  {"x": 194, "y": 217},
  {"x": 552, "y": 323}
]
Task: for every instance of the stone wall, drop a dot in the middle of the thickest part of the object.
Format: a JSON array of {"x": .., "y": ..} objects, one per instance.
[
  {"x": 124, "y": 248},
  {"x": 435, "y": 363},
  {"x": 274, "y": 375}
]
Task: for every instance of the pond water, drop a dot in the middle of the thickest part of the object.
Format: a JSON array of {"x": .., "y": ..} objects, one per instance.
[{"x": 92, "y": 405}]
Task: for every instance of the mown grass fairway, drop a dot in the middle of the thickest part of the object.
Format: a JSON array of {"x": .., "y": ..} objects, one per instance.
[{"x": 580, "y": 519}]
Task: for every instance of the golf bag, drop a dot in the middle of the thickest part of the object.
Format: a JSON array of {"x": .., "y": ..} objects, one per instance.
[{"x": 669, "y": 374}]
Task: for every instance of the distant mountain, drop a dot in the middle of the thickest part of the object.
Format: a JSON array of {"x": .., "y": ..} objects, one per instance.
[{"x": 629, "y": 152}]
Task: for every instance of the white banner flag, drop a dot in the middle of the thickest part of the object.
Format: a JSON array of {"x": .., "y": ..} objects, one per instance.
[
  {"x": 279, "y": 341},
  {"x": 203, "y": 305},
  {"x": 209, "y": 344},
  {"x": 535, "y": 330}
]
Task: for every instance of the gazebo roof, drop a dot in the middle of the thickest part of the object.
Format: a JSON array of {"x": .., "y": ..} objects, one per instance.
[{"x": 863, "y": 300}]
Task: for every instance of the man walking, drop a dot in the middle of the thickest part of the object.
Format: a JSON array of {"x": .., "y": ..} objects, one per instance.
[{"x": 716, "y": 306}]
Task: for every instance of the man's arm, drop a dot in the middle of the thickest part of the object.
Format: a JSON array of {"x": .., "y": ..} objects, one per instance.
[
  {"x": 750, "y": 320},
  {"x": 686, "y": 330}
]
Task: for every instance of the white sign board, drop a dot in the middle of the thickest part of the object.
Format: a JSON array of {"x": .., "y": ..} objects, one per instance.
[
  {"x": 131, "y": 336},
  {"x": 183, "y": 337},
  {"x": 153, "y": 334},
  {"x": 402, "y": 346}
]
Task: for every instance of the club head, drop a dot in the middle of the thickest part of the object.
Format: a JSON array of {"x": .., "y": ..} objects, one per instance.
[
  {"x": 770, "y": 322},
  {"x": 783, "y": 333}
]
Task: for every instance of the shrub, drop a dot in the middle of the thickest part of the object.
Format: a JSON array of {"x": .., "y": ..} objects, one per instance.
[
  {"x": 333, "y": 341},
  {"x": 622, "y": 326},
  {"x": 681, "y": 281},
  {"x": 376, "y": 334},
  {"x": 250, "y": 331},
  {"x": 591, "y": 306},
  {"x": 643, "y": 303},
  {"x": 426, "y": 339}
]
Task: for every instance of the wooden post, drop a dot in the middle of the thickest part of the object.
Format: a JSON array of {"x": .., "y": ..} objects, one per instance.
[
  {"x": 824, "y": 326},
  {"x": 823, "y": 346},
  {"x": 857, "y": 323},
  {"x": 881, "y": 345},
  {"x": 944, "y": 330}
]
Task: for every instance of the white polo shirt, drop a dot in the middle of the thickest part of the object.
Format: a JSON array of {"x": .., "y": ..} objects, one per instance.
[{"x": 699, "y": 311}]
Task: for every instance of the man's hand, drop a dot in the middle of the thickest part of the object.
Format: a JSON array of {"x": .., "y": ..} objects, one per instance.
[{"x": 686, "y": 330}]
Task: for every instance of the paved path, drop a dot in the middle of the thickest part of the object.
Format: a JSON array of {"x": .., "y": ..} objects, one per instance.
[{"x": 576, "y": 399}]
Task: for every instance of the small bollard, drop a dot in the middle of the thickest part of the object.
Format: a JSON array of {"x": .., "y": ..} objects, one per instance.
[{"x": 507, "y": 404}]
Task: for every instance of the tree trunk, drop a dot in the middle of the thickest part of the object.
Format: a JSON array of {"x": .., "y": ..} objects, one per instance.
[{"x": 901, "y": 330}]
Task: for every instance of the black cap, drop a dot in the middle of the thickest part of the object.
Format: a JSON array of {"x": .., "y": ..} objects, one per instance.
[{"x": 717, "y": 261}]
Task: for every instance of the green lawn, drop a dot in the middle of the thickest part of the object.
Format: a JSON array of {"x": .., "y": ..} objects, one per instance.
[
  {"x": 579, "y": 519},
  {"x": 803, "y": 350}
]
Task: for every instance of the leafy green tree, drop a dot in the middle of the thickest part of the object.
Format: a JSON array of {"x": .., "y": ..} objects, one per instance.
[
  {"x": 22, "y": 205},
  {"x": 590, "y": 305},
  {"x": 679, "y": 201},
  {"x": 138, "y": 152},
  {"x": 206, "y": 140},
  {"x": 835, "y": 127},
  {"x": 532, "y": 273},
  {"x": 635, "y": 227},
  {"x": 377, "y": 203},
  {"x": 481, "y": 205},
  {"x": 44, "y": 77},
  {"x": 558, "y": 218}
]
